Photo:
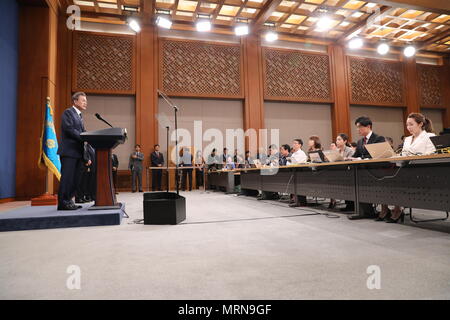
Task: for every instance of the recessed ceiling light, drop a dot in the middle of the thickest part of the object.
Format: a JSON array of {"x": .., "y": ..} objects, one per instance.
[
  {"x": 383, "y": 48},
  {"x": 409, "y": 51},
  {"x": 355, "y": 43},
  {"x": 271, "y": 36},
  {"x": 241, "y": 30},
  {"x": 134, "y": 25},
  {"x": 203, "y": 25},
  {"x": 163, "y": 22},
  {"x": 324, "y": 24}
]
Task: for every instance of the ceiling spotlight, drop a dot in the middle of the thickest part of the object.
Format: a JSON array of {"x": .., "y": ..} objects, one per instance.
[
  {"x": 409, "y": 51},
  {"x": 355, "y": 43},
  {"x": 324, "y": 23},
  {"x": 271, "y": 36},
  {"x": 163, "y": 22},
  {"x": 203, "y": 23},
  {"x": 241, "y": 30},
  {"x": 383, "y": 48},
  {"x": 134, "y": 25}
]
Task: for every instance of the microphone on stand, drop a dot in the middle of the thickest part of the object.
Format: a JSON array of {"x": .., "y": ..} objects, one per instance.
[{"x": 99, "y": 117}]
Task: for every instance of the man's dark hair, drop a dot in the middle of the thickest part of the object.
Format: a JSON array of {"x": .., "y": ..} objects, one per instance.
[
  {"x": 137, "y": 145},
  {"x": 299, "y": 141},
  {"x": 364, "y": 121},
  {"x": 156, "y": 145},
  {"x": 77, "y": 95},
  {"x": 286, "y": 147}
]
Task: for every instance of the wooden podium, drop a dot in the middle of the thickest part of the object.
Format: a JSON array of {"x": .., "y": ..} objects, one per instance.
[{"x": 103, "y": 141}]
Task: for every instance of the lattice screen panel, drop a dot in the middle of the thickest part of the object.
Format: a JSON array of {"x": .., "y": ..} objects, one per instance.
[
  {"x": 297, "y": 76},
  {"x": 376, "y": 82},
  {"x": 200, "y": 69},
  {"x": 103, "y": 63},
  {"x": 429, "y": 78}
]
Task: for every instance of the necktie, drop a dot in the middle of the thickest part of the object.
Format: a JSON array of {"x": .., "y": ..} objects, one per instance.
[{"x": 365, "y": 140}]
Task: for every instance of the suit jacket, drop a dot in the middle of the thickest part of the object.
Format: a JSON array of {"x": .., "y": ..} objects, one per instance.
[
  {"x": 157, "y": 160},
  {"x": 361, "y": 151},
  {"x": 115, "y": 161},
  {"x": 136, "y": 164},
  {"x": 422, "y": 145},
  {"x": 71, "y": 127},
  {"x": 89, "y": 153}
]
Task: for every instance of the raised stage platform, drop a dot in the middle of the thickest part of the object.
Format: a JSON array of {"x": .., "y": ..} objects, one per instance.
[{"x": 47, "y": 217}]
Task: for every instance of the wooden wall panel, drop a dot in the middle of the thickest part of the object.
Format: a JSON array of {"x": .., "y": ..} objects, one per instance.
[
  {"x": 146, "y": 92},
  {"x": 103, "y": 63},
  {"x": 430, "y": 85},
  {"x": 200, "y": 69},
  {"x": 254, "y": 102},
  {"x": 296, "y": 76},
  {"x": 340, "y": 112},
  {"x": 35, "y": 84},
  {"x": 445, "y": 79},
  {"x": 376, "y": 82}
]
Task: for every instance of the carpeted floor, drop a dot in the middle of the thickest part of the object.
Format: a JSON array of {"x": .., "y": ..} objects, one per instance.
[{"x": 230, "y": 247}]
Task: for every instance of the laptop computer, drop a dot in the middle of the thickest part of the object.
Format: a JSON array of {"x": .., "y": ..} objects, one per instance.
[
  {"x": 333, "y": 155},
  {"x": 317, "y": 156},
  {"x": 257, "y": 163},
  {"x": 380, "y": 150},
  {"x": 441, "y": 142}
]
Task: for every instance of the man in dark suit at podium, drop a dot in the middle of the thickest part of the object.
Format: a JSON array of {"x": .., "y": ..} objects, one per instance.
[
  {"x": 71, "y": 151},
  {"x": 157, "y": 160}
]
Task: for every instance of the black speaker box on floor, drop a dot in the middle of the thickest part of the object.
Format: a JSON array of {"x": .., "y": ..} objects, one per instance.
[{"x": 164, "y": 208}]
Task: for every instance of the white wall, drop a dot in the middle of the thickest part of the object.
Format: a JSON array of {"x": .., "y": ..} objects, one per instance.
[
  {"x": 219, "y": 114},
  {"x": 435, "y": 115},
  {"x": 387, "y": 121},
  {"x": 299, "y": 120},
  {"x": 120, "y": 112}
]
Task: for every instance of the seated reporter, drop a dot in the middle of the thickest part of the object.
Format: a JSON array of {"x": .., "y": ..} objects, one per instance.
[
  {"x": 418, "y": 143},
  {"x": 297, "y": 157},
  {"x": 343, "y": 146},
  {"x": 364, "y": 126},
  {"x": 285, "y": 152},
  {"x": 345, "y": 150},
  {"x": 273, "y": 160},
  {"x": 314, "y": 145}
]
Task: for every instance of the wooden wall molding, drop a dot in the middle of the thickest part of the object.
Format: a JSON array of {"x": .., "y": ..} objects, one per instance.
[
  {"x": 190, "y": 68},
  {"x": 103, "y": 63},
  {"x": 376, "y": 82},
  {"x": 293, "y": 75}
]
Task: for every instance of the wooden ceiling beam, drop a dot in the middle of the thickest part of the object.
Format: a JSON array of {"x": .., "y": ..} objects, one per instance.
[
  {"x": 437, "y": 6},
  {"x": 265, "y": 13},
  {"x": 434, "y": 40},
  {"x": 363, "y": 25}
]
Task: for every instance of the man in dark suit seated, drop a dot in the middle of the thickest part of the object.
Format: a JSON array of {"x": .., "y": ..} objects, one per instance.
[
  {"x": 364, "y": 126},
  {"x": 157, "y": 160},
  {"x": 71, "y": 151}
]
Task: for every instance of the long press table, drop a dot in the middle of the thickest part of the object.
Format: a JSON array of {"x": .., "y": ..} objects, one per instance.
[{"x": 421, "y": 182}]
